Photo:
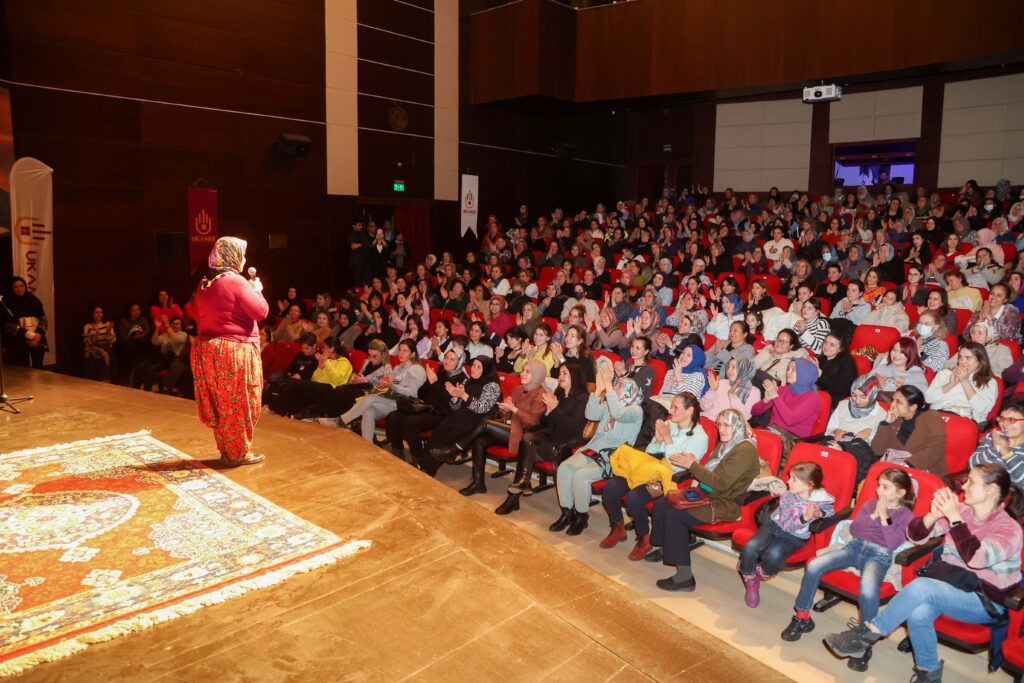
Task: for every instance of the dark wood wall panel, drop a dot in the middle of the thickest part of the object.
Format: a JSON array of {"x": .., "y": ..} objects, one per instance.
[
  {"x": 122, "y": 167},
  {"x": 375, "y": 112},
  {"x": 659, "y": 47},
  {"x": 389, "y": 48},
  {"x": 377, "y": 79},
  {"x": 379, "y": 156},
  {"x": 396, "y": 17}
]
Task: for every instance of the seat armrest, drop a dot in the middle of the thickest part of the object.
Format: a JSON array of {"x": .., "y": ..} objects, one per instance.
[
  {"x": 819, "y": 525},
  {"x": 911, "y": 555},
  {"x": 1015, "y": 600}
]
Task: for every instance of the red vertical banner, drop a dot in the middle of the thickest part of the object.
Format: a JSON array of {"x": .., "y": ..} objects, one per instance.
[{"x": 202, "y": 224}]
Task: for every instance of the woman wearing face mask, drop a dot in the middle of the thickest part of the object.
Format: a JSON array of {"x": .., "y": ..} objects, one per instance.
[
  {"x": 616, "y": 406},
  {"x": 916, "y": 436},
  {"x": 938, "y": 301},
  {"x": 969, "y": 389},
  {"x": 930, "y": 337}
]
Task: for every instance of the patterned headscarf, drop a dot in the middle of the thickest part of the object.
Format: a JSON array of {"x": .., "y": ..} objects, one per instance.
[
  {"x": 227, "y": 256},
  {"x": 869, "y": 386},
  {"x": 739, "y": 435},
  {"x": 629, "y": 395},
  {"x": 745, "y": 371}
]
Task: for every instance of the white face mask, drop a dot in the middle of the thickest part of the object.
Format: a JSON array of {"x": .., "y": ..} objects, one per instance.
[{"x": 925, "y": 330}]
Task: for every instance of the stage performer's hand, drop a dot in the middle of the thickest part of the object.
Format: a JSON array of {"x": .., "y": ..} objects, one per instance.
[{"x": 256, "y": 284}]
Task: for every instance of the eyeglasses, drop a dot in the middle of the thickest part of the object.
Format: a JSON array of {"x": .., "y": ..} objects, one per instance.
[{"x": 1002, "y": 419}]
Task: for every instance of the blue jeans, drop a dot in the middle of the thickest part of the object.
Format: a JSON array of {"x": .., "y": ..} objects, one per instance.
[
  {"x": 871, "y": 559},
  {"x": 769, "y": 547},
  {"x": 919, "y": 604}
]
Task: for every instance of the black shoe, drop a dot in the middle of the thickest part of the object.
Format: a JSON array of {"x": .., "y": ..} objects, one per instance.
[
  {"x": 670, "y": 584},
  {"x": 476, "y": 485},
  {"x": 923, "y": 676},
  {"x": 853, "y": 642},
  {"x": 444, "y": 454},
  {"x": 511, "y": 504},
  {"x": 859, "y": 664},
  {"x": 380, "y": 443},
  {"x": 579, "y": 523},
  {"x": 656, "y": 555},
  {"x": 797, "y": 627},
  {"x": 563, "y": 522}
]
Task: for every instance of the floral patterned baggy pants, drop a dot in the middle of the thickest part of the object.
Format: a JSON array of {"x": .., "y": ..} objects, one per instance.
[{"x": 228, "y": 383}]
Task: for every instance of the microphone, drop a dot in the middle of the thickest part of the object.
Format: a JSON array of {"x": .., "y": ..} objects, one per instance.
[{"x": 252, "y": 272}]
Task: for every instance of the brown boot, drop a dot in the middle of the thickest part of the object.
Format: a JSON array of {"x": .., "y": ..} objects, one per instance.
[
  {"x": 615, "y": 536},
  {"x": 642, "y": 547}
]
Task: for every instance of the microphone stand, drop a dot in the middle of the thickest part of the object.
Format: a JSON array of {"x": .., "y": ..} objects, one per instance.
[{"x": 7, "y": 402}]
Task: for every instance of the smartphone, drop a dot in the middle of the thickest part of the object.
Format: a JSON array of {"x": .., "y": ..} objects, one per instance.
[{"x": 692, "y": 496}]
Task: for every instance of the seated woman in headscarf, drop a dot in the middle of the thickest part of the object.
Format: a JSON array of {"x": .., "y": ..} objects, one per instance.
[
  {"x": 889, "y": 312},
  {"x": 855, "y": 264},
  {"x": 405, "y": 427},
  {"x": 999, "y": 356},
  {"x": 520, "y": 411},
  {"x": 836, "y": 368},
  {"x": 856, "y": 417},
  {"x": 560, "y": 429},
  {"x": 471, "y": 403},
  {"x": 739, "y": 345},
  {"x": 725, "y": 477},
  {"x": 732, "y": 310},
  {"x": 902, "y": 365},
  {"x": 733, "y": 390},
  {"x": 911, "y": 435},
  {"x": 633, "y": 469},
  {"x": 969, "y": 389},
  {"x": 687, "y": 374},
  {"x": 794, "y": 408},
  {"x": 689, "y": 330},
  {"x": 616, "y": 406}
]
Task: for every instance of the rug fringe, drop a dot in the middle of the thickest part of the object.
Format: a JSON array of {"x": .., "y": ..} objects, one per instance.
[
  {"x": 75, "y": 444},
  {"x": 140, "y": 622}
]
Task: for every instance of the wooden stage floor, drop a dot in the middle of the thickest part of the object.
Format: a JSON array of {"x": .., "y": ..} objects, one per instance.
[{"x": 449, "y": 591}]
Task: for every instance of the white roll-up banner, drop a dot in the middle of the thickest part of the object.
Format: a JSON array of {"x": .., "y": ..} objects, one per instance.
[
  {"x": 470, "y": 199},
  {"x": 32, "y": 236}
]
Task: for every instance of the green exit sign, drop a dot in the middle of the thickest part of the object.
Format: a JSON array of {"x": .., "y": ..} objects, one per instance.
[{"x": 398, "y": 186}]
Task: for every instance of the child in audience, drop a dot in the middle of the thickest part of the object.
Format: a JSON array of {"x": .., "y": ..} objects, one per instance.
[
  {"x": 787, "y": 530},
  {"x": 878, "y": 530}
]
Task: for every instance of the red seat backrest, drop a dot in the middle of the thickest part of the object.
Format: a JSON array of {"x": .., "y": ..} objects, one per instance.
[
  {"x": 927, "y": 485},
  {"x": 879, "y": 336},
  {"x": 356, "y": 358},
  {"x": 601, "y": 353},
  {"x": 863, "y": 364},
  {"x": 961, "y": 440},
  {"x": 781, "y": 301},
  {"x": 1013, "y": 346},
  {"x": 992, "y": 414},
  {"x": 508, "y": 381},
  {"x": 429, "y": 363},
  {"x": 839, "y": 469},
  {"x": 659, "y": 375},
  {"x": 771, "y": 282},
  {"x": 284, "y": 354},
  {"x": 711, "y": 429},
  {"x": 825, "y": 402},
  {"x": 552, "y": 324},
  {"x": 962, "y": 316},
  {"x": 769, "y": 447}
]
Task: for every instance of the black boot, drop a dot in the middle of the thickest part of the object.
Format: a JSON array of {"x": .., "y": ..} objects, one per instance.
[
  {"x": 579, "y": 523},
  {"x": 563, "y": 522},
  {"x": 859, "y": 664},
  {"x": 511, "y": 504},
  {"x": 444, "y": 454},
  {"x": 922, "y": 676},
  {"x": 476, "y": 484}
]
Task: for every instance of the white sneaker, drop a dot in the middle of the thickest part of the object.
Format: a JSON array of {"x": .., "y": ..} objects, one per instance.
[{"x": 325, "y": 421}]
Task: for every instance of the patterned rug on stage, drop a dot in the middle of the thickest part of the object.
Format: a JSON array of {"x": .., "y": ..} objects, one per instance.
[{"x": 104, "y": 537}]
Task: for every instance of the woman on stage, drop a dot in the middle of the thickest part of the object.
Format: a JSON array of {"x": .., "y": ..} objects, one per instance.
[{"x": 225, "y": 356}]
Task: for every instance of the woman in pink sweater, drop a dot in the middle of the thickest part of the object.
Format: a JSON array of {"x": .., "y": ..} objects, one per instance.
[
  {"x": 226, "y": 354},
  {"x": 794, "y": 407}
]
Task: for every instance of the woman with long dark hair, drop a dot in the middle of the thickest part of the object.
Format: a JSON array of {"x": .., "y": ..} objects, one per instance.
[{"x": 472, "y": 403}]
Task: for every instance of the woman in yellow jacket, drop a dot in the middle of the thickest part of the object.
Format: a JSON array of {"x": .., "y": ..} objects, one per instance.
[
  {"x": 333, "y": 370},
  {"x": 633, "y": 469}
]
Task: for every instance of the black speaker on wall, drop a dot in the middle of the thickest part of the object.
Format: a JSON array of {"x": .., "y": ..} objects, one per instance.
[
  {"x": 171, "y": 249},
  {"x": 293, "y": 146}
]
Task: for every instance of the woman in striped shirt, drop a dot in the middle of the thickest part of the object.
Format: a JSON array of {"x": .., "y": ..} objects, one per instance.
[{"x": 812, "y": 327}]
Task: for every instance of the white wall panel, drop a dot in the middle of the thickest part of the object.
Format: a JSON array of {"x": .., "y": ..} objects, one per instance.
[{"x": 761, "y": 144}]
